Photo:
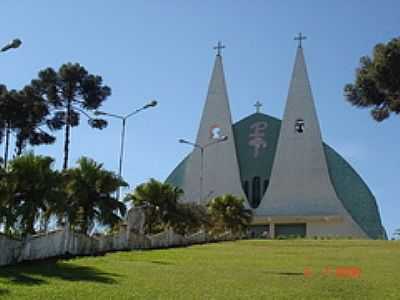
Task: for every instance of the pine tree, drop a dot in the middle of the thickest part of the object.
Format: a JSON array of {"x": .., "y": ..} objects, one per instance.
[{"x": 377, "y": 83}]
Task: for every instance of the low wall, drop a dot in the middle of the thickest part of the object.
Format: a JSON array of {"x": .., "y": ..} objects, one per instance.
[
  {"x": 66, "y": 242},
  {"x": 198, "y": 238},
  {"x": 9, "y": 250},
  {"x": 167, "y": 239},
  {"x": 42, "y": 246},
  {"x": 117, "y": 241}
]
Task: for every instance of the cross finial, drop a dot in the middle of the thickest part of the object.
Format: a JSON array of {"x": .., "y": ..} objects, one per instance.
[
  {"x": 258, "y": 106},
  {"x": 299, "y": 38},
  {"x": 219, "y": 47}
]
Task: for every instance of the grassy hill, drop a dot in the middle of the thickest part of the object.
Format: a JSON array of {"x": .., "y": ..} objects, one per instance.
[{"x": 254, "y": 269}]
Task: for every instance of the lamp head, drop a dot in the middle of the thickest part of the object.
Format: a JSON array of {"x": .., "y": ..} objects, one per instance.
[
  {"x": 15, "y": 43},
  {"x": 151, "y": 104}
]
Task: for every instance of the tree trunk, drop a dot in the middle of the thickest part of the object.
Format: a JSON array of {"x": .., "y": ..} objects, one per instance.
[
  {"x": 6, "y": 145},
  {"x": 67, "y": 134},
  {"x": 19, "y": 145},
  {"x": 18, "y": 151},
  {"x": 84, "y": 222},
  {"x": 30, "y": 225}
]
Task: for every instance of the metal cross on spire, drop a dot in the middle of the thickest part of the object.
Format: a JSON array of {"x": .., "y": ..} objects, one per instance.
[
  {"x": 219, "y": 47},
  {"x": 258, "y": 106},
  {"x": 299, "y": 38}
]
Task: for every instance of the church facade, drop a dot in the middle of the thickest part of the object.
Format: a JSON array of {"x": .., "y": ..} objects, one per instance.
[{"x": 294, "y": 182}]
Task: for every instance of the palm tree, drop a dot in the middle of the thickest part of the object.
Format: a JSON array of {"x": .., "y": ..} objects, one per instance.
[
  {"x": 161, "y": 202},
  {"x": 228, "y": 213},
  {"x": 28, "y": 190},
  {"x": 71, "y": 91},
  {"x": 89, "y": 193},
  {"x": 189, "y": 218}
]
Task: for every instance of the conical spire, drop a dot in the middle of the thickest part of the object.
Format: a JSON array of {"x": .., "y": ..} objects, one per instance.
[
  {"x": 220, "y": 165},
  {"x": 300, "y": 105},
  {"x": 216, "y": 109},
  {"x": 300, "y": 167},
  {"x": 300, "y": 183}
]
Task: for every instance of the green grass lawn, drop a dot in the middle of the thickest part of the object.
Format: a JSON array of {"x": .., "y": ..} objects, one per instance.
[{"x": 254, "y": 269}]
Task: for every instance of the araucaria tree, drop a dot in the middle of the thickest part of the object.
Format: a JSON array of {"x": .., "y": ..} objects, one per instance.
[
  {"x": 69, "y": 92},
  {"x": 8, "y": 113},
  {"x": 24, "y": 114},
  {"x": 31, "y": 120},
  {"x": 377, "y": 83}
]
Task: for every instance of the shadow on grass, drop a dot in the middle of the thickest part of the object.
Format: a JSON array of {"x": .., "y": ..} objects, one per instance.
[
  {"x": 285, "y": 273},
  {"x": 160, "y": 262},
  {"x": 37, "y": 273},
  {"x": 3, "y": 292}
]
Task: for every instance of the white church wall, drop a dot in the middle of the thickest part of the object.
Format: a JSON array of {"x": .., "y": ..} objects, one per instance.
[{"x": 342, "y": 229}]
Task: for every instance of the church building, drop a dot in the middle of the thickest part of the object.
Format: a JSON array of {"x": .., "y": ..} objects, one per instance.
[{"x": 294, "y": 183}]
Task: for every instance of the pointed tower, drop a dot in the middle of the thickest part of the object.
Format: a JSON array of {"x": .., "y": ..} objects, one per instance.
[
  {"x": 300, "y": 187},
  {"x": 217, "y": 172}
]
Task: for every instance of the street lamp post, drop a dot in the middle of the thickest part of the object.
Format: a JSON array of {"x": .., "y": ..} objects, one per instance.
[
  {"x": 124, "y": 118},
  {"x": 202, "y": 148},
  {"x": 15, "y": 43}
]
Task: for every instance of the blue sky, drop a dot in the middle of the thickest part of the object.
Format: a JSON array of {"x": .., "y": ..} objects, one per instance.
[{"x": 163, "y": 50}]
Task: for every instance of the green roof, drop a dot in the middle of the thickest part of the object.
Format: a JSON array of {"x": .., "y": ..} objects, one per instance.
[{"x": 350, "y": 188}]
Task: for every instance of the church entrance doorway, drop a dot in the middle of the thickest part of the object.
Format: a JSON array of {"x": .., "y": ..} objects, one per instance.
[
  {"x": 258, "y": 231},
  {"x": 290, "y": 230}
]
